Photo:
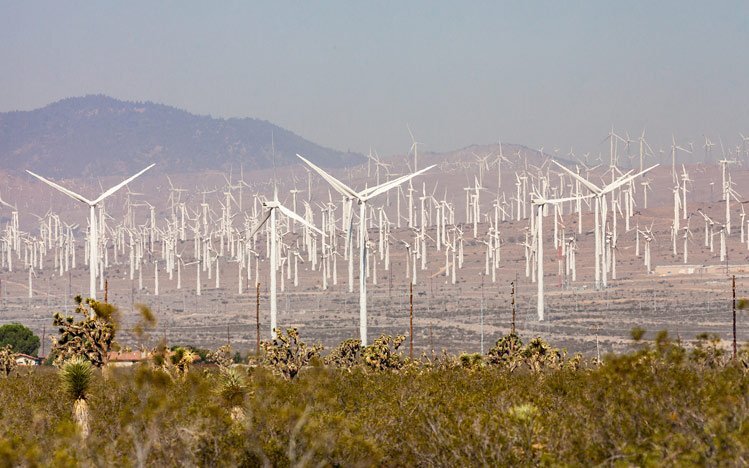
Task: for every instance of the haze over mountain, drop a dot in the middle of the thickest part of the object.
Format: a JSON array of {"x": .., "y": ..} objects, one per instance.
[{"x": 99, "y": 135}]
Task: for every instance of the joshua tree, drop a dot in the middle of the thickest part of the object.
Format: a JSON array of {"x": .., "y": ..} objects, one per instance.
[
  {"x": 90, "y": 338},
  {"x": 383, "y": 354},
  {"x": 287, "y": 354},
  {"x": 182, "y": 359},
  {"x": 222, "y": 357},
  {"x": 76, "y": 375},
  {"x": 346, "y": 355},
  {"x": 506, "y": 352},
  {"x": 174, "y": 362},
  {"x": 7, "y": 360}
]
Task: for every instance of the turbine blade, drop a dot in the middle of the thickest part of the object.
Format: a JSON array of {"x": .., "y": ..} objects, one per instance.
[
  {"x": 627, "y": 178},
  {"x": 120, "y": 185},
  {"x": 339, "y": 186},
  {"x": 393, "y": 183},
  {"x": 298, "y": 219},
  {"x": 62, "y": 189},
  {"x": 260, "y": 224},
  {"x": 589, "y": 185}
]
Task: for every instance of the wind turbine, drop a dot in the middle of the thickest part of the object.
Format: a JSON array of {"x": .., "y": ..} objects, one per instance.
[
  {"x": 415, "y": 148},
  {"x": 93, "y": 235},
  {"x": 600, "y": 224},
  {"x": 362, "y": 197},
  {"x": 270, "y": 214}
]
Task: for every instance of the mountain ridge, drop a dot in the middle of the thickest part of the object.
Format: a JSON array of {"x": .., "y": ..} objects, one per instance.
[{"x": 98, "y": 134}]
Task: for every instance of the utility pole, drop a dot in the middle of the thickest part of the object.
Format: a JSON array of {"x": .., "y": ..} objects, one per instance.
[
  {"x": 733, "y": 287},
  {"x": 411, "y": 320},
  {"x": 512, "y": 294},
  {"x": 482, "y": 313},
  {"x": 257, "y": 319},
  {"x": 106, "y": 290},
  {"x": 44, "y": 338}
]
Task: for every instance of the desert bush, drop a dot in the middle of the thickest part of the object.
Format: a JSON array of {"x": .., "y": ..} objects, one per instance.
[{"x": 707, "y": 351}]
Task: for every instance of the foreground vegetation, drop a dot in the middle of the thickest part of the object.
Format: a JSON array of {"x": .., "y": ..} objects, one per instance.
[
  {"x": 657, "y": 404},
  {"x": 522, "y": 403}
]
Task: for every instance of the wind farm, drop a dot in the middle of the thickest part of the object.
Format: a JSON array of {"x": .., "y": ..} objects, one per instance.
[{"x": 588, "y": 259}]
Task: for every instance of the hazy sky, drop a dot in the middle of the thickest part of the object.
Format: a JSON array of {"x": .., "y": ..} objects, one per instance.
[{"x": 353, "y": 74}]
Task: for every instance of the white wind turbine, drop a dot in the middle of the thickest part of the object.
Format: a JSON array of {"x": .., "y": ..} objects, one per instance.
[
  {"x": 600, "y": 224},
  {"x": 362, "y": 197},
  {"x": 674, "y": 147},
  {"x": 270, "y": 214},
  {"x": 415, "y": 148},
  {"x": 93, "y": 236}
]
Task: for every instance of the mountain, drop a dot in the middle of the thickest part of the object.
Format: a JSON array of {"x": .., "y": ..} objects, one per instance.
[{"x": 97, "y": 135}]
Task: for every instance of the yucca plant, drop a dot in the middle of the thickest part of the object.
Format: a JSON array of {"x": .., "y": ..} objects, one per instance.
[
  {"x": 76, "y": 375},
  {"x": 232, "y": 392},
  {"x": 90, "y": 338}
]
